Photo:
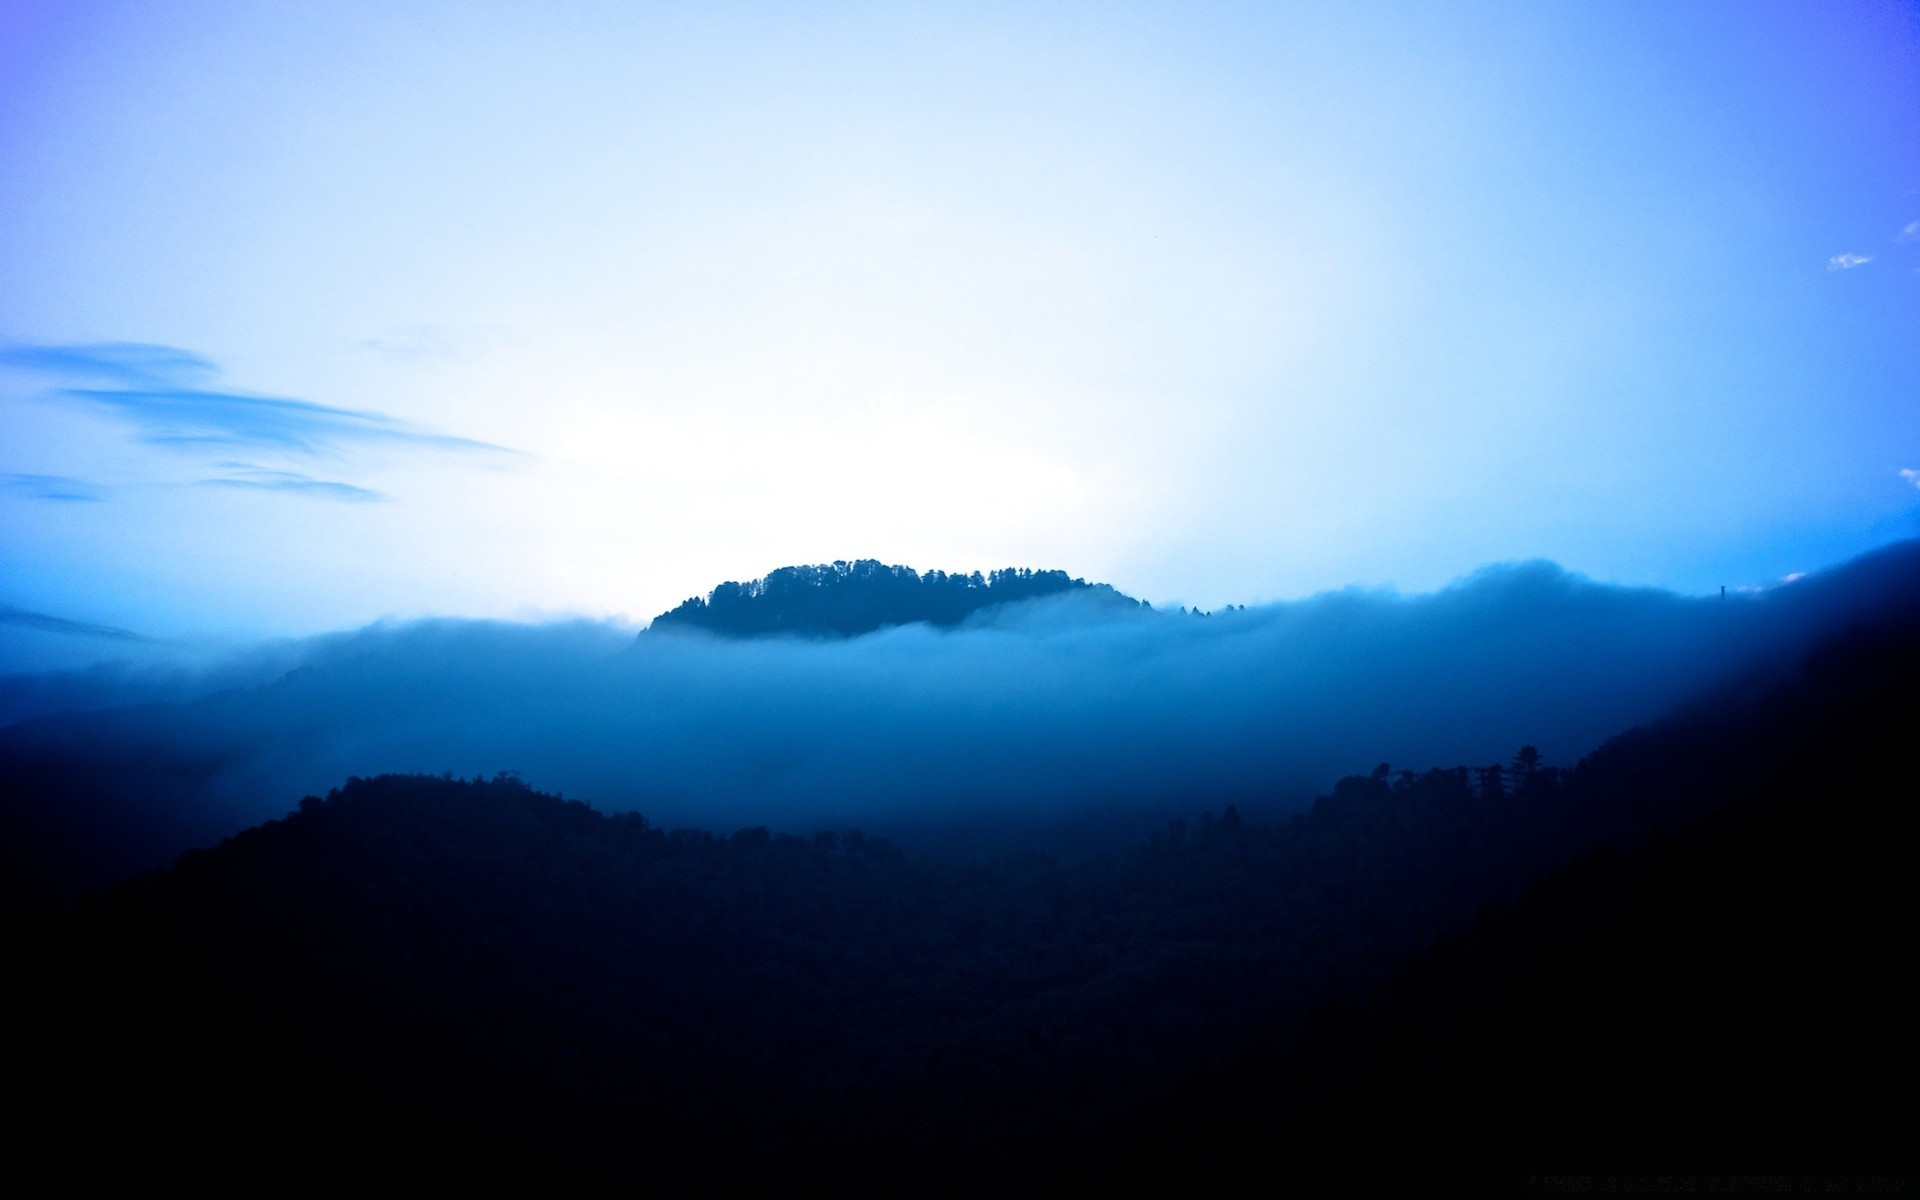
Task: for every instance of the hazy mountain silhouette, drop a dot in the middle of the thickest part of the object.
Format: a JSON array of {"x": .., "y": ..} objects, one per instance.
[
  {"x": 1726, "y": 995},
  {"x": 1062, "y": 722},
  {"x": 846, "y": 599},
  {"x": 480, "y": 975}
]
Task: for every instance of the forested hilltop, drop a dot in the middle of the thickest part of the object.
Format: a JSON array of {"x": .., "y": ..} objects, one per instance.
[
  {"x": 846, "y": 599},
  {"x": 480, "y": 976}
]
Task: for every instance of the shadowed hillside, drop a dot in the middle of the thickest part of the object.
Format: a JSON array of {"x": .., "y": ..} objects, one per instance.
[
  {"x": 428, "y": 966},
  {"x": 1727, "y": 995},
  {"x": 1732, "y": 997},
  {"x": 845, "y": 599}
]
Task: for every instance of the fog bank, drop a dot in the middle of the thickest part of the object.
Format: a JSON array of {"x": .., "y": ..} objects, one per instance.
[{"x": 1041, "y": 711}]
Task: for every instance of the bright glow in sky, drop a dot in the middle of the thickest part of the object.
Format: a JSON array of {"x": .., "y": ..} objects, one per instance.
[{"x": 588, "y": 308}]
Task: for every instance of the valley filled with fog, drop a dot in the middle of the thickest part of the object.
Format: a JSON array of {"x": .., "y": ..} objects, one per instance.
[{"x": 1051, "y": 713}]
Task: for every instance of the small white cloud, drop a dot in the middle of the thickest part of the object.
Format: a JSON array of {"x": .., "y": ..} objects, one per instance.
[
  {"x": 1794, "y": 577},
  {"x": 1910, "y": 234},
  {"x": 1847, "y": 262},
  {"x": 1910, "y": 475}
]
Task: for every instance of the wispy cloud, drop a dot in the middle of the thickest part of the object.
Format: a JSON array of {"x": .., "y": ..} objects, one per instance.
[
  {"x": 130, "y": 364},
  {"x": 48, "y": 623},
  {"x": 1910, "y": 234},
  {"x": 262, "y": 480},
  {"x": 51, "y": 487},
  {"x": 434, "y": 343},
  {"x": 1847, "y": 262},
  {"x": 160, "y": 390},
  {"x": 1910, "y": 475}
]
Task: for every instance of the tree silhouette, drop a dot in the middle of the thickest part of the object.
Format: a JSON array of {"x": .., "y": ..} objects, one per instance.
[{"x": 845, "y": 599}]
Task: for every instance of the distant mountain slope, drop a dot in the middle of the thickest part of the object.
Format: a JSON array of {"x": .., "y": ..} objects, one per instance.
[
  {"x": 846, "y": 599},
  {"x": 428, "y": 967},
  {"x": 1729, "y": 996}
]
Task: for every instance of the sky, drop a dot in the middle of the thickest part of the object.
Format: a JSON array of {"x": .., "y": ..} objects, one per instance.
[{"x": 315, "y": 314}]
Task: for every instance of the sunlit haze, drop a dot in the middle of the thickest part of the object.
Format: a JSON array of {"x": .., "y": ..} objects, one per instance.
[{"x": 316, "y": 314}]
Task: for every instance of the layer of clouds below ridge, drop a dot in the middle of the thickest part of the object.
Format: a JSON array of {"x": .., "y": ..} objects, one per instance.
[{"x": 1045, "y": 711}]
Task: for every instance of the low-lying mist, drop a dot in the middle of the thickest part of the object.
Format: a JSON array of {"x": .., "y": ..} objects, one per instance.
[{"x": 1043, "y": 712}]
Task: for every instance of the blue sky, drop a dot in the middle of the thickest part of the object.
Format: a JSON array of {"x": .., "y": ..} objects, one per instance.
[{"x": 314, "y": 314}]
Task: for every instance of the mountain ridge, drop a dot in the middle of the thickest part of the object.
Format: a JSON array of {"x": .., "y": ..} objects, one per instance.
[
  {"x": 429, "y": 966},
  {"x": 845, "y": 599}
]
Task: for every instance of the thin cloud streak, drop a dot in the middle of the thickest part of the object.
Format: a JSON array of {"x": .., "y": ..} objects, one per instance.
[
  {"x": 1847, "y": 262},
  {"x": 52, "y": 487},
  {"x": 154, "y": 388},
  {"x": 294, "y": 483},
  {"x": 48, "y": 623},
  {"x": 132, "y": 364},
  {"x": 190, "y": 418}
]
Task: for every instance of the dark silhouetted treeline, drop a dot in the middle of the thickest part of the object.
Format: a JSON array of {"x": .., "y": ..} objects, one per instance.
[
  {"x": 1726, "y": 994},
  {"x": 845, "y": 599},
  {"x": 477, "y": 976}
]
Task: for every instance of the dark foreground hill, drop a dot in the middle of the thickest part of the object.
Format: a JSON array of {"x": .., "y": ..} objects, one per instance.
[
  {"x": 1735, "y": 999},
  {"x": 1729, "y": 996},
  {"x": 845, "y": 599},
  {"x": 475, "y": 976}
]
